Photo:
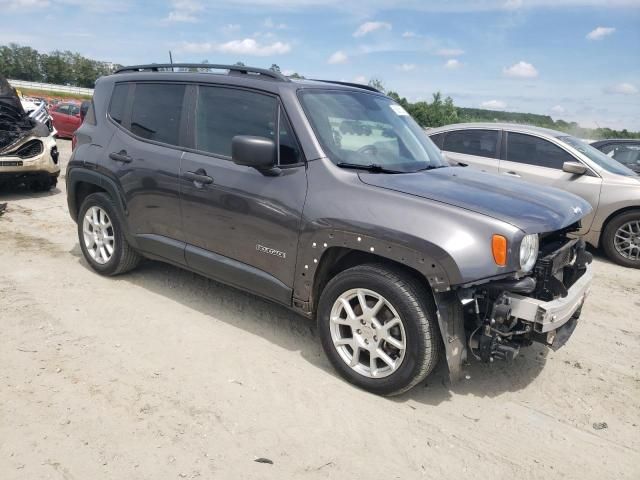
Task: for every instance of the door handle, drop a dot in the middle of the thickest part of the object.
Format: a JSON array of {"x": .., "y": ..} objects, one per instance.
[
  {"x": 512, "y": 174},
  {"x": 121, "y": 156},
  {"x": 199, "y": 177}
]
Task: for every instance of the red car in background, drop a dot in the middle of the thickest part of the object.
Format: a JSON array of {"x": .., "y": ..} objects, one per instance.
[{"x": 66, "y": 118}]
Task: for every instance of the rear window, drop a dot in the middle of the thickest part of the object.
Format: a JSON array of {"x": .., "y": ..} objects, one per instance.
[
  {"x": 482, "y": 143},
  {"x": 156, "y": 112}
]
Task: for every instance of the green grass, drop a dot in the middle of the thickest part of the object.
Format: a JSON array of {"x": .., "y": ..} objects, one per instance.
[{"x": 30, "y": 92}]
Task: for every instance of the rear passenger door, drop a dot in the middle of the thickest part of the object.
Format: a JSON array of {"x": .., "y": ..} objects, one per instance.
[
  {"x": 242, "y": 226},
  {"x": 538, "y": 160},
  {"x": 476, "y": 148},
  {"x": 144, "y": 158}
]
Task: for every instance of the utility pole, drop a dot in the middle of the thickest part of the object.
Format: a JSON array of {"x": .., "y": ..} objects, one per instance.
[{"x": 171, "y": 59}]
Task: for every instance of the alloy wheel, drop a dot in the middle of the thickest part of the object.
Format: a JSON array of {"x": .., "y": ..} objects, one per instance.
[
  {"x": 627, "y": 240},
  {"x": 98, "y": 235},
  {"x": 368, "y": 333}
]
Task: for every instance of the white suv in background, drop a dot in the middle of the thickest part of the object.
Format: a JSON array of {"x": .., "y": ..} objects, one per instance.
[{"x": 557, "y": 159}]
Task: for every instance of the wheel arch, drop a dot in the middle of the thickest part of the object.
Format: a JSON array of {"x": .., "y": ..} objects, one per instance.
[
  {"x": 81, "y": 183},
  {"x": 612, "y": 216}
]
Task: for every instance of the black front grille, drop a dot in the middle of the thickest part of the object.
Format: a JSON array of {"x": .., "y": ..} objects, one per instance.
[
  {"x": 30, "y": 149},
  {"x": 557, "y": 271}
]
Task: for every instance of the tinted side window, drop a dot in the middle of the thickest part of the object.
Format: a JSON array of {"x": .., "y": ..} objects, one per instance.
[
  {"x": 223, "y": 113},
  {"x": 64, "y": 109},
  {"x": 289, "y": 149},
  {"x": 483, "y": 143},
  {"x": 437, "y": 139},
  {"x": 118, "y": 100},
  {"x": 74, "y": 109},
  {"x": 523, "y": 148},
  {"x": 156, "y": 112}
]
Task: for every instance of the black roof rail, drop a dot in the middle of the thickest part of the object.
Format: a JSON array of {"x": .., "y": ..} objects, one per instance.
[
  {"x": 235, "y": 69},
  {"x": 349, "y": 84}
]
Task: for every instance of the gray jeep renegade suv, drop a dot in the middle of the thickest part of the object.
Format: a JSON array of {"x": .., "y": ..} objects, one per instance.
[{"x": 329, "y": 199}]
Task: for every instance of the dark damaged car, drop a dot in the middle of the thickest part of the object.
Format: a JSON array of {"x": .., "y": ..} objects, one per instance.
[
  {"x": 28, "y": 151},
  {"x": 248, "y": 178}
]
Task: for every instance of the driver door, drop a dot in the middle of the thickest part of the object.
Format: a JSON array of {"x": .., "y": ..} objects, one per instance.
[{"x": 239, "y": 223}]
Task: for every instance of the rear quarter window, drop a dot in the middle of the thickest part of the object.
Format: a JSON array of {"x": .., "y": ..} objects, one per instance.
[{"x": 118, "y": 102}]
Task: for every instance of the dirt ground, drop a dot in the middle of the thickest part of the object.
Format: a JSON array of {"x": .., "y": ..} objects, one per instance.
[{"x": 162, "y": 374}]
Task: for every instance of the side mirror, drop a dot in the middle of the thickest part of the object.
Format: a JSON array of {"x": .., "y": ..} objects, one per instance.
[
  {"x": 257, "y": 152},
  {"x": 574, "y": 167}
]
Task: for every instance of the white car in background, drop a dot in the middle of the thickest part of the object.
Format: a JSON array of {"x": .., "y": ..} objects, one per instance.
[{"x": 28, "y": 150}]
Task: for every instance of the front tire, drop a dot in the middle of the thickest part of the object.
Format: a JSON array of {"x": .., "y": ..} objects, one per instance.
[
  {"x": 378, "y": 328},
  {"x": 101, "y": 237},
  {"x": 621, "y": 239}
]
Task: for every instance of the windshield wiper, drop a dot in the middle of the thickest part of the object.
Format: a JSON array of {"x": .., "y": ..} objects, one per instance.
[{"x": 372, "y": 167}]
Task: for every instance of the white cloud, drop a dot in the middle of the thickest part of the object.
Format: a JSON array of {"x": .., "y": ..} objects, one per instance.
[
  {"x": 450, "y": 52},
  {"x": 24, "y": 4},
  {"x": 621, "y": 89},
  {"x": 558, "y": 109},
  {"x": 600, "y": 32},
  {"x": 248, "y": 46},
  {"x": 360, "y": 79},
  {"x": 231, "y": 27},
  {"x": 494, "y": 105},
  {"x": 338, "y": 57},
  {"x": 407, "y": 67},
  {"x": 369, "y": 27},
  {"x": 521, "y": 70},
  {"x": 185, "y": 11},
  {"x": 409, "y": 34},
  {"x": 513, "y": 4},
  {"x": 452, "y": 64},
  {"x": 269, "y": 23}
]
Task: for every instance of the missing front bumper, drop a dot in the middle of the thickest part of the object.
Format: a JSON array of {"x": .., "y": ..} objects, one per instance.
[{"x": 551, "y": 315}]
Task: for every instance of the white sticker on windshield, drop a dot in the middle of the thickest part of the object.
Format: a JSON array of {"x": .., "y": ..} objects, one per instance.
[{"x": 398, "y": 109}]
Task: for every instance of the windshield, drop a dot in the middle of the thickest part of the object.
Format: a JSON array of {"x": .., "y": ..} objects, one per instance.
[
  {"x": 597, "y": 156},
  {"x": 361, "y": 129}
]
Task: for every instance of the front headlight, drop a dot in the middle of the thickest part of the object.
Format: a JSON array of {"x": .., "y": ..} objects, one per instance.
[{"x": 529, "y": 252}]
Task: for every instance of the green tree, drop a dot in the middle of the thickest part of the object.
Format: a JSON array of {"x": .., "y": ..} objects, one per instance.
[
  {"x": 377, "y": 84},
  {"x": 275, "y": 68}
]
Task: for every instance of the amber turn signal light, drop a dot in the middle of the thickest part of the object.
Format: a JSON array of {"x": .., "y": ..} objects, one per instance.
[{"x": 499, "y": 249}]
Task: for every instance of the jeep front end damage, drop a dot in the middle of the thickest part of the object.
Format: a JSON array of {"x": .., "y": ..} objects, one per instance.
[{"x": 502, "y": 316}]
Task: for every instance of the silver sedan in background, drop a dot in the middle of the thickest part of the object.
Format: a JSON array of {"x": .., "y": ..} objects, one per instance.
[{"x": 557, "y": 159}]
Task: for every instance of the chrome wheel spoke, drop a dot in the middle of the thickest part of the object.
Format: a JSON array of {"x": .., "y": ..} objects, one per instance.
[{"x": 355, "y": 357}]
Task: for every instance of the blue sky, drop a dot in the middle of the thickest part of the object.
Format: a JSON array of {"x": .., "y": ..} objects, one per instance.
[{"x": 572, "y": 59}]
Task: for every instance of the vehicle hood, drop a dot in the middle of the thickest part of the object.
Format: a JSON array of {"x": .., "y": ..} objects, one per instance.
[
  {"x": 532, "y": 208},
  {"x": 15, "y": 124}
]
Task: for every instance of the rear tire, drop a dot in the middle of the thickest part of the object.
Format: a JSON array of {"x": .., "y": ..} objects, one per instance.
[
  {"x": 101, "y": 237},
  {"x": 621, "y": 239},
  {"x": 392, "y": 356}
]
